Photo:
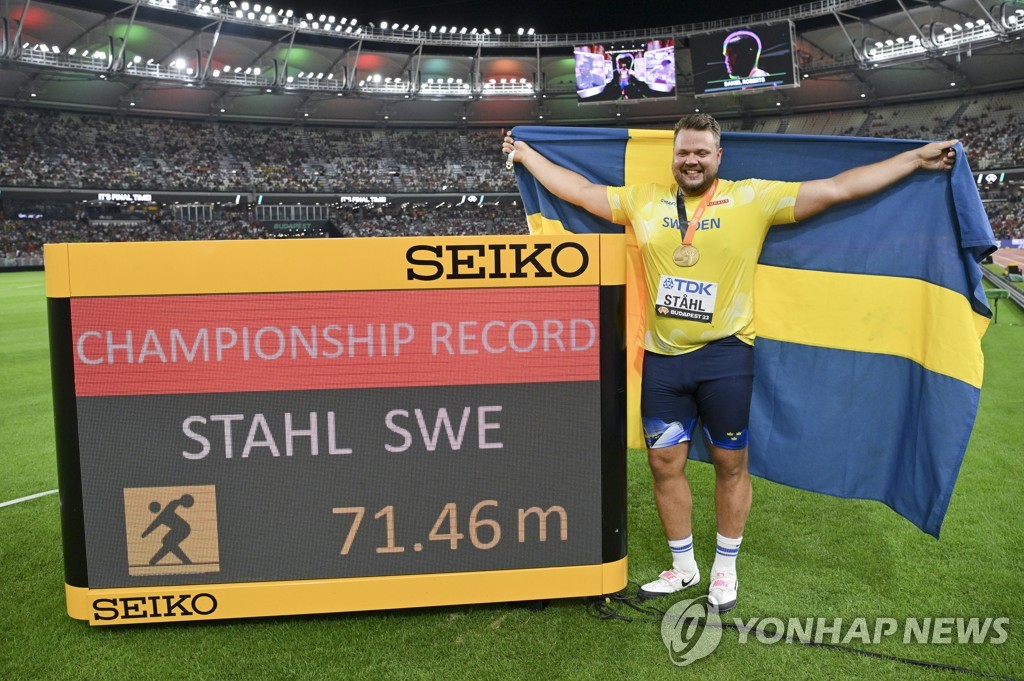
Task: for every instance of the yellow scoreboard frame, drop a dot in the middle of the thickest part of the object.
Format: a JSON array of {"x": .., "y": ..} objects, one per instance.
[{"x": 117, "y": 470}]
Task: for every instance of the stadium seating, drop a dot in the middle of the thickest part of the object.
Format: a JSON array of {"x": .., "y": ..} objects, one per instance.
[{"x": 46, "y": 149}]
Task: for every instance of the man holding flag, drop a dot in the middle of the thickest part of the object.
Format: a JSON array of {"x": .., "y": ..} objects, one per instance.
[{"x": 700, "y": 240}]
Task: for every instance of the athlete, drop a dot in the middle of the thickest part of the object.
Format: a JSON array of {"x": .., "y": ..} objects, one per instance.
[
  {"x": 700, "y": 239},
  {"x": 742, "y": 52},
  {"x": 624, "y": 83}
]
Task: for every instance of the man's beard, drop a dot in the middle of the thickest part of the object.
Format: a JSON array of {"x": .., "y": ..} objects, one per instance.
[{"x": 690, "y": 189}]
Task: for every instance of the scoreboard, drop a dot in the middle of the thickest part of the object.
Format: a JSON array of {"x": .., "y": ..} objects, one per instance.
[{"x": 261, "y": 428}]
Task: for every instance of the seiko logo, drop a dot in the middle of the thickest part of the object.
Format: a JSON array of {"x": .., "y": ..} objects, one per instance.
[
  {"x": 496, "y": 261},
  {"x": 149, "y": 607}
]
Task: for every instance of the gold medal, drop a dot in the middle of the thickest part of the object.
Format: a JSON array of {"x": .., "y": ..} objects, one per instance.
[{"x": 686, "y": 256}]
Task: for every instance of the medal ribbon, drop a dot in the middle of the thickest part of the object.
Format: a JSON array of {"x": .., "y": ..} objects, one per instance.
[{"x": 691, "y": 226}]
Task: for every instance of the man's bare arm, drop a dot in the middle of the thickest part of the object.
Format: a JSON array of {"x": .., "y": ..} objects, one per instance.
[{"x": 562, "y": 182}]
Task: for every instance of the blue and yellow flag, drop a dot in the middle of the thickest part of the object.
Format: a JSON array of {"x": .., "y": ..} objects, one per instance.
[{"x": 869, "y": 317}]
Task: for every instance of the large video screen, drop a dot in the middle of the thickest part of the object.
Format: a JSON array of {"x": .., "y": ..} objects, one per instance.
[
  {"x": 743, "y": 60},
  {"x": 626, "y": 74}
]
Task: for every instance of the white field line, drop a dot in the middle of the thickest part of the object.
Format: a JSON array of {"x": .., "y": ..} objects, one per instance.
[{"x": 12, "y": 502}]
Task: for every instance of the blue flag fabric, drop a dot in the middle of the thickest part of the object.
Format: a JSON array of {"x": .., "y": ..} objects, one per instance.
[{"x": 869, "y": 316}]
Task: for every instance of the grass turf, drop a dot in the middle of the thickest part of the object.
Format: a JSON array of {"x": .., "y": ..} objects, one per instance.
[{"x": 805, "y": 555}]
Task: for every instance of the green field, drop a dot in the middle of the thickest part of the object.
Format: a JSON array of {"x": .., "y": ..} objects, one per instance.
[
  {"x": 1000, "y": 272},
  {"x": 804, "y": 555}
]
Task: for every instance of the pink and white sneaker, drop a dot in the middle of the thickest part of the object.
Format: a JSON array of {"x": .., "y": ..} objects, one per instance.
[
  {"x": 722, "y": 594},
  {"x": 669, "y": 582}
]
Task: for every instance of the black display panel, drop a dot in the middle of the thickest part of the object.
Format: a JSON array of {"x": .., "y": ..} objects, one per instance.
[{"x": 744, "y": 60}]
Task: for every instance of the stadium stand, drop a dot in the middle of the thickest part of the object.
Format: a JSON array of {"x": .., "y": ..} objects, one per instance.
[
  {"x": 62, "y": 149},
  {"x": 24, "y": 238},
  {"x": 67, "y": 150},
  {"x": 1005, "y": 209}
]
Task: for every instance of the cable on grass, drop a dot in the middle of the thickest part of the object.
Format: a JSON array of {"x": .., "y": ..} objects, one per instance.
[{"x": 628, "y": 606}]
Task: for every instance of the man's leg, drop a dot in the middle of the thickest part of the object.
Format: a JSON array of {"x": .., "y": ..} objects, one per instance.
[
  {"x": 733, "y": 497},
  {"x": 674, "y": 503},
  {"x": 669, "y": 416},
  {"x": 671, "y": 488},
  {"x": 733, "y": 491},
  {"x": 724, "y": 404}
]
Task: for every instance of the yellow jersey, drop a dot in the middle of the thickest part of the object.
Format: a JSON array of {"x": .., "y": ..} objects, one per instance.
[{"x": 689, "y": 307}]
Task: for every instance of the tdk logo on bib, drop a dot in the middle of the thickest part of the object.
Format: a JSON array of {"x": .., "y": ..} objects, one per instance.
[
  {"x": 686, "y": 299},
  {"x": 687, "y": 286}
]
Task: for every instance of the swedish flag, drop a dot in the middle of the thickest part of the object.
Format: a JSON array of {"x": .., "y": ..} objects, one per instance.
[{"x": 869, "y": 317}]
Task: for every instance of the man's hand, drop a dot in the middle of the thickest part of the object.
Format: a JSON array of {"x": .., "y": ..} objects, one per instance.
[
  {"x": 512, "y": 150},
  {"x": 508, "y": 144},
  {"x": 937, "y": 155},
  {"x": 565, "y": 184}
]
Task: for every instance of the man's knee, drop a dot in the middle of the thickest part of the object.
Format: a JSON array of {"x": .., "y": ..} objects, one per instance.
[
  {"x": 667, "y": 462},
  {"x": 729, "y": 464}
]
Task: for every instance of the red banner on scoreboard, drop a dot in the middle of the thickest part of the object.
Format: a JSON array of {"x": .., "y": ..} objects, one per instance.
[{"x": 311, "y": 341}]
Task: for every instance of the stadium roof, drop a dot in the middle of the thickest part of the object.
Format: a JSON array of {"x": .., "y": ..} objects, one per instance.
[
  {"x": 543, "y": 15},
  {"x": 226, "y": 58}
]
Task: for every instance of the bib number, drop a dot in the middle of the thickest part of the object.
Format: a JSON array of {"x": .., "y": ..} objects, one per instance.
[{"x": 686, "y": 299}]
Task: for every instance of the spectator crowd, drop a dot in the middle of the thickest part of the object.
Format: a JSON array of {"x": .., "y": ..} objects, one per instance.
[
  {"x": 24, "y": 238},
  {"x": 59, "y": 149},
  {"x": 45, "y": 148}
]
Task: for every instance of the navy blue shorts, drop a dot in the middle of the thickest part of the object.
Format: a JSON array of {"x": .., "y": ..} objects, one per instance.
[{"x": 713, "y": 383}]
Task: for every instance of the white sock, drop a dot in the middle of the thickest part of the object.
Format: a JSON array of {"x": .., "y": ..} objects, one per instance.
[
  {"x": 725, "y": 554},
  {"x": 682, "y": 555}
]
